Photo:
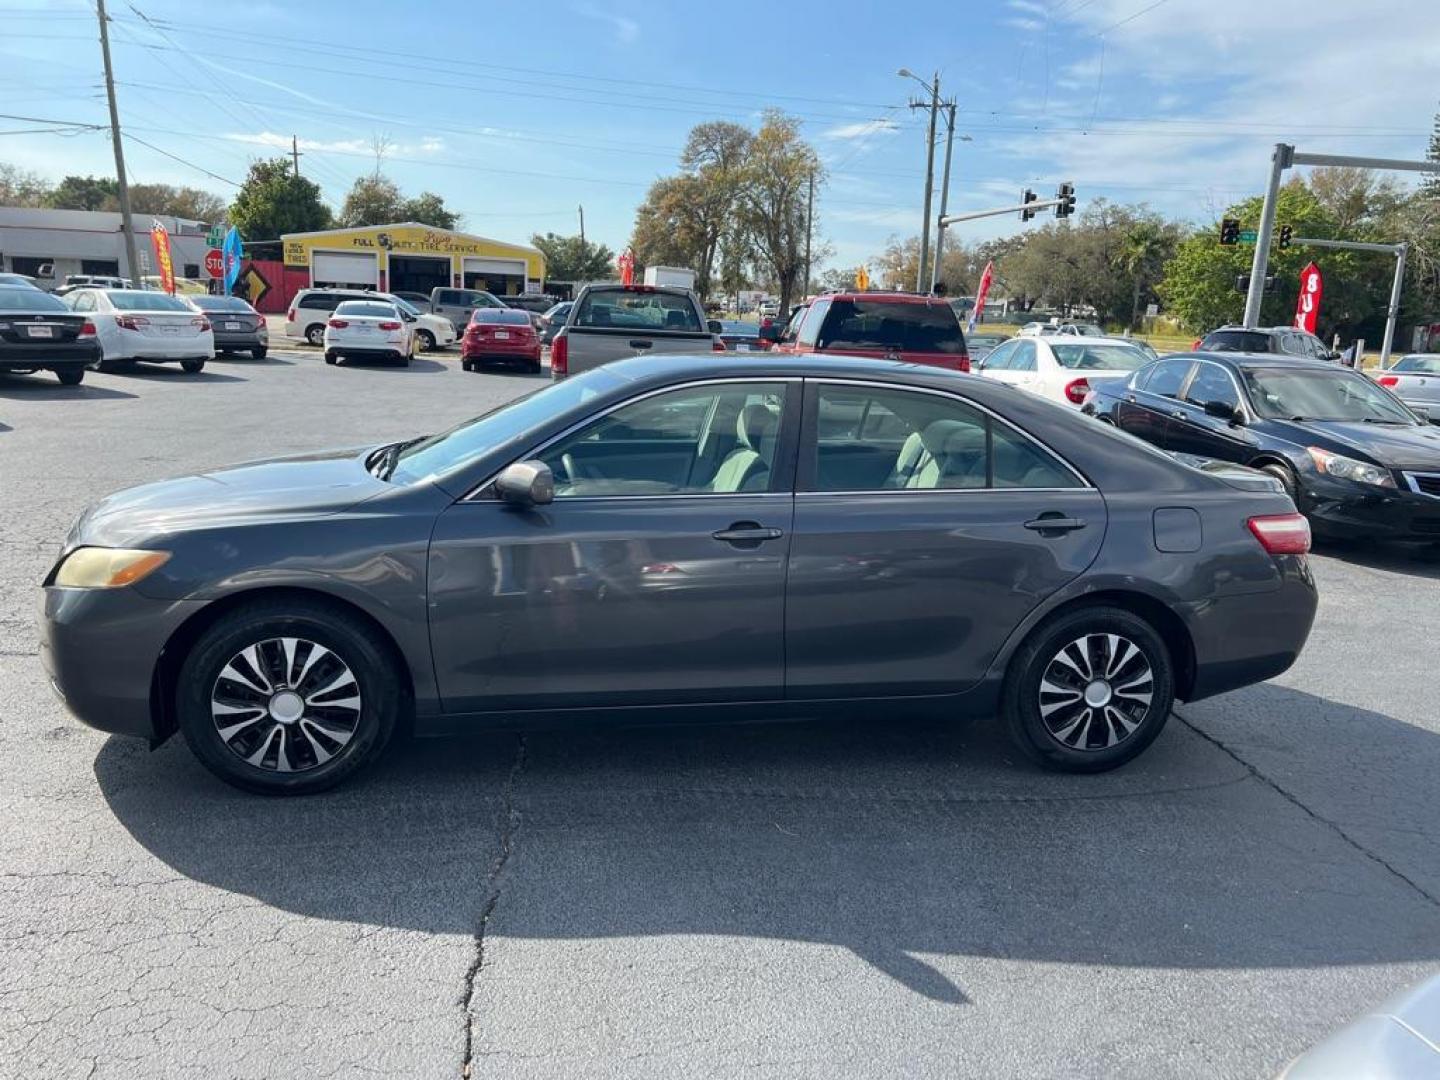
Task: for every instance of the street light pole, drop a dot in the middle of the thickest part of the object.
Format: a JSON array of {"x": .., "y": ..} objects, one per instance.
[
  {"x": 944, "y": 193},
  {"x": 934, "y": 106},
  {"x": 122, "y": 188}
]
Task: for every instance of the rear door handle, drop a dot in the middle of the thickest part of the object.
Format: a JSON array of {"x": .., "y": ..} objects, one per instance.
[
  {"x": 1179, "y": 414},
  {"x": 642, "y": 344},
  {"x": 1130, "y": 397},
  {"x": 747, "y": 533},
  {"x": 1055, "y": 523}
]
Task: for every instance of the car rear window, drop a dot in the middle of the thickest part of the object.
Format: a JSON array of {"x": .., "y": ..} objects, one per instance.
[
  {"x": 1236, "y": 341},
  {"x": 868, "y": 324},
  {"x": 145, "y": 301},
  {"x": 29, "y": 300},
  {"x": 222, "y": 303},
  {"x": 366, "y": 307},
  {"x": 1425, "y": 365},
  {"x": 636, "y": 309},
  {"x": 1099, "y": 357},
  {"x": 504, "y": 316}
]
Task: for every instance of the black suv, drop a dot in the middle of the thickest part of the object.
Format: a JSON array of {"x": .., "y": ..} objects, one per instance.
[{"x": 1286, "y": 340}]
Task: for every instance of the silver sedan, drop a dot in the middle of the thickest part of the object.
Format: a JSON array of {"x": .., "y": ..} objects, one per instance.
[{"x": 1415, "y": 380}]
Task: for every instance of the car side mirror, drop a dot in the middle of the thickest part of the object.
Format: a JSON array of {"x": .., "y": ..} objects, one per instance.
[
  {"x": 409, "y": 318},
  {"x": 526, "y": 483},
  {"x": 713, "y": 325},
  {"x": 1223, "y": 410}
]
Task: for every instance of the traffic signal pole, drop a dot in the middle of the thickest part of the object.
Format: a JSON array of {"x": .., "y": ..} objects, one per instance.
[
  {"x": 1392, "y": 313},
  {"x": 944, "y": 193}
]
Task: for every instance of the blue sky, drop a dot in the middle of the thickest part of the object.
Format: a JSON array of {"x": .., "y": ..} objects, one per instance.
[{"x": 519, "y": 113}]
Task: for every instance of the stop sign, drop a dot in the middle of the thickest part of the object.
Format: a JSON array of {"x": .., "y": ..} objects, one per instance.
[{"x": 214, "y": 263}]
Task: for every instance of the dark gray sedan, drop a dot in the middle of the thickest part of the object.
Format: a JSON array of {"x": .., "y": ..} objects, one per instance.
[
  {"x": 238, "y": 327},
  {"x": 743, "y": 537}
]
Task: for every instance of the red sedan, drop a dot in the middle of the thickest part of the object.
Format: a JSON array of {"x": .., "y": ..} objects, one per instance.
[{"x": 496, "y": 335}]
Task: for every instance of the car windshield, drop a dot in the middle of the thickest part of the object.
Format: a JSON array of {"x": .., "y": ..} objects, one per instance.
[
  {"x": 1323, "y": 394},
  {"x": 13, "y": 299},
  {"x": 1425, "y": 365},
  {"x": 1090, "y": 357},
  {"x": 905, "y": 327},
  {"x": 503, "y": 316},
  {"x": 405, "y": 306},
  {"x": 221, "y": 303},
  {"x": 366, "y": 308},
  {"x": 136, "y": 300},
  {"x": 637, "y": 309},
  {"x": 442, "y": 455},
  {"x": 1236, "y": 341}
]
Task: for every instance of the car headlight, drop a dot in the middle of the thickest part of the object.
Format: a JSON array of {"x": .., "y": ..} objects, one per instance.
[
  {"x": 107, "y": 568},
  {"x": 1344, "y": 468}
]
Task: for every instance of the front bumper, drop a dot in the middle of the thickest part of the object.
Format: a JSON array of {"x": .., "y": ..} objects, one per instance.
[
  {"x": 100, "y": 648},
  {"x": 1346, "y": 510}
]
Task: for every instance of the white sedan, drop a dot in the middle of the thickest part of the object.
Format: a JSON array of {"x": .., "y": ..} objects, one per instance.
[
  {"x": 431, "y": 331},
  {"x": 1062, "y": 368},
  {"x": 369, "y": 330},
  {"x": 140, "y": 324}
]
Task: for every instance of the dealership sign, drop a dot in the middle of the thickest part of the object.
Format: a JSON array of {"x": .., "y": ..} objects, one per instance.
[{"x": 1307, "y": 306}]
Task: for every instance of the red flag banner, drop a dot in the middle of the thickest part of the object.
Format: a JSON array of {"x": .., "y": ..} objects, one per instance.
[
  {"x": 985, "y": 278},
  {"x": 1307, "y": 307},
  {"x": 160, "y": 240},
  {"x": 626, "y": 262}
]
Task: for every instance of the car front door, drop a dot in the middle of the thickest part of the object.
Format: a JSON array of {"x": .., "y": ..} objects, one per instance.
[
  {"x": 1146, "y": 406},
  {"x": 657, "y": 575},
  {"x": 1194, "y": 431},
  {"x": 919, "y": 542}
]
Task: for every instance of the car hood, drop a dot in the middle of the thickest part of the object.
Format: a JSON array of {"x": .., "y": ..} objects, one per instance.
[
  {"x": 324, "y": 483},
  {"x": 1383, "y": 443}
]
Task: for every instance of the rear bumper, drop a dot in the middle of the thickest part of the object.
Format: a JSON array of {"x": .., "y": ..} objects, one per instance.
[
  {"x": 253, "y": 339},
  {"x": 100, "y": 648},
  {"x": 50, "y": 357},
  {"x": 528, "y": 353},
  {"x": 189, "y": 348}
]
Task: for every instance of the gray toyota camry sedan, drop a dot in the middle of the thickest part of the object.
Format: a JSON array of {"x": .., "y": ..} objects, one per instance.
[{"x": 675, "y": 538}]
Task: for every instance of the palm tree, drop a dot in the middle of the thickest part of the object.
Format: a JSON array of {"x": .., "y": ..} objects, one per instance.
[{"x": 1141, "y": 254}]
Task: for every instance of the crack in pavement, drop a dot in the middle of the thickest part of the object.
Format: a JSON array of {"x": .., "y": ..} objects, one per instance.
[
  {"x": 509, "y": 825},
  {"x": 1295, "y": 800}
]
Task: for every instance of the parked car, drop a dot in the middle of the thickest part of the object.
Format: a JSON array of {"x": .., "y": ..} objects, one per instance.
[
  {"x": 135, "y": 325},
  {"x": 369, "y": 330},
  {"x": 1399, "y": 1039},
  {"x": 38, "y": 332},
  {"x": 1266, "y": 339},
  {"x": 94, "y": 281},
  {"x": 1061, "y": 329},
  {"x": 780, "y": 336},
  {"x": 458, "y": 305},
  {"x": 23, "y": 280},
  {"x": 742, "y": 336},
  {"x": 431, "y": 331},
  {"x": 311, "y": 307},
  {"x": 418, "y": 300},
  {"x": 768, "y": 309},
  {"x": 978, "y": 346},
  {"x": 612, "y": 322},
  {"x": 500, "y": 336},
  {"x": 553, "y": 320},
  {"x": 1415, "y": 380},
  {"x": 1356, "y": 461},
  {"x": 1062, "y": 369},
  {"x": 237, "y": 326},
  {"x": 536, "y": 563},
  {"x": 893, "y": 326}
]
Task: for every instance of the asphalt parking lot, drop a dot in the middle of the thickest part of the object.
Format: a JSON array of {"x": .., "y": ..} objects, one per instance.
[{"x": 876, "y": 897}]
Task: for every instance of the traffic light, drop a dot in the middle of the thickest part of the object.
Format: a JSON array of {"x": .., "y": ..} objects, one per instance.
[
  {"x": 1242, "y": 282},
  {"x": 1028, "y": 197},
  {"x": 1286, "y": 232},
  {"x": 1066, "y": 194},
  {"x": 1230, "y": 231}
]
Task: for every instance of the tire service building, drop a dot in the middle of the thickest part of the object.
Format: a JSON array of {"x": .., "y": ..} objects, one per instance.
[{"x": 408, "y": 256}]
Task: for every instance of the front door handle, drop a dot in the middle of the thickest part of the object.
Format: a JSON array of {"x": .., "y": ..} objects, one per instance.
[
  {"x": 1054, "y": 523},
  {"x": 747, "y": 534},
  {"x": 1179, "y": 414},
  {"x": 1130, "y": 398},
  {"x": 642, "y": 344}
]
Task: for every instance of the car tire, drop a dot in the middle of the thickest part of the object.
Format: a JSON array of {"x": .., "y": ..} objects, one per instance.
[
  {"x": 71, "y": 376},
  {"x": 1286, "y": 476},
  {"x": 259, "y": 354},
  {"x": 352, "y": 729},
  {"x": 315, "y": 335},
  {"x": 331, "y": 357},
  {"x": 425, "y": 340},
  {"x": 192, "y": 367},
  {"x": 1106, "y": 663},
  {"x": 535, "y": 368},
  {"x": 466, "y": 365}
]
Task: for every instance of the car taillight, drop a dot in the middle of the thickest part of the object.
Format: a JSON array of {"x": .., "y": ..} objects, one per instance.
[
  {"x": 1075, "y": 391},
  {"x": 1281, "y": 534},
  {"x": 963, "y": 362},
  {"x": 1388, "y": 380},
  {"x": 766, "y": 323},
  {"x": 290, "y": 315},
  {"x": 1195, "y": 345},
  {"x": 717, "y": 345},
  {"x": 131, "y": 322},
  {"x": 338, "y": 324},
  {"x": 200, "y": 323},
  {"x": 560, "y": 355},
  {"x": 88, "y": 330},
  {"x": 390, "y": 325}
]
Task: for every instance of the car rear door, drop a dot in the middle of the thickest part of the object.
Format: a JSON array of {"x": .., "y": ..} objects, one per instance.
[
  {"x": 1145, "y": 407},
  {"x": 1192, "y": 430},
  {"x": 920, "y": 540}
]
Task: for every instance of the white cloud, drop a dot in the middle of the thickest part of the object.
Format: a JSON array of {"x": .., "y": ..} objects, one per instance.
[
  {"x": 861, "y": 130},
  {"x": 626, "y": 29},
  {"x": 1024, "y": 24},
  {"x": 430, "y": 144},
  {"x": 1029, "y": 7}
]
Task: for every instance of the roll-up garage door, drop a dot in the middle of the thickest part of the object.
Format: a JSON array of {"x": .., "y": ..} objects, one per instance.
[{"x": 341, "y": 269}]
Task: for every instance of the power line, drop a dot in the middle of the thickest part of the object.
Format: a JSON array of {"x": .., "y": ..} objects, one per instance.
[{"x": 182, "y": 161}]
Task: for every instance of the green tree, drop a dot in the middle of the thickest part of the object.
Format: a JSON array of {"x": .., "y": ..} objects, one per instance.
[
  {"x": 429, "y": 209},
  {"x": 668, "y": 231},
  {"x": 771, "y": 202},
  {"x": 84, "y": 193},
  {"x": 372, "y": 200},
  {"x": 1430, "y": 187},
  {"x": 189, "y": 203},
  {"x": 569, "y": 258},
  {"x": 20, "y": 187},
  {"x": 274, "y": 201}
]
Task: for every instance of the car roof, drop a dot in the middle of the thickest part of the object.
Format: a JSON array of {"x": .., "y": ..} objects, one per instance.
[
  {"x": 886, "y": 297},
  {"x": 1256, "y": 360}
]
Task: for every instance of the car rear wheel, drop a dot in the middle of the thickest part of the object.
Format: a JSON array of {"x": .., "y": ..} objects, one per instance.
[
  {"x": 288, "y": 698},
  {"x": 71, "y": 377},
  {"x": 1088, "y": 690},
  {"x": 192, "y": 367},
  {"x": 425, "y": 340},
  {"x": 331, "y": 358},
  {"x": 258, "y": 354}
]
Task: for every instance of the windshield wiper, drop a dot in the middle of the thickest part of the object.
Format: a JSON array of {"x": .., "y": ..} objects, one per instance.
[
  {"x": 383, "y": 461},
  {"x": 1382, "y": 420}
]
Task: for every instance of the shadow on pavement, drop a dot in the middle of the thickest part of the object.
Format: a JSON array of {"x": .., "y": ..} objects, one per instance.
[
  {"x": 892, "y": 839},
  {"x": 1418, "y": 559},
  {"x": 246, "y": 360},
  {"x": 44, "y": 387},
  {"x": 417, "y": 364},
  {"x": 167, "y": 372}
]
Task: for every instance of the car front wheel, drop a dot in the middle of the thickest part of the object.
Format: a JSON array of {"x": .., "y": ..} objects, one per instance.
[
  {"x": 71, "y": 376},
  {"x": 1088, "y": 690},
  {"x": 288, "y": 698},
  {"x": 425, "y": 340},
  {"x": 315, "y": 335}
]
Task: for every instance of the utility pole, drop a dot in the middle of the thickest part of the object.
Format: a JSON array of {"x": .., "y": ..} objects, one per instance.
[
  {"x": 582, "y": 226},
  {"x": 809, "y": 231},
  {"x": 295, "y": 153},
  {"x": 944, "y": 193},
  {"x": 123, "y": 188},
  {"x": 934, "y": 106}
]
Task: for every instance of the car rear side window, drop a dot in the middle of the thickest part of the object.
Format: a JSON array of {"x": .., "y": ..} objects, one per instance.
[
  {"x": 1167, "y": 377},
  {"x": 626, "y": 309},
  {"x": 1212, "y": 383},
  {"x": 1023, "y": 358},
  {"x": 320, "y": 301},
  {"x": 1236, "y": 341},
  {"x": 904, "y": 327}
]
